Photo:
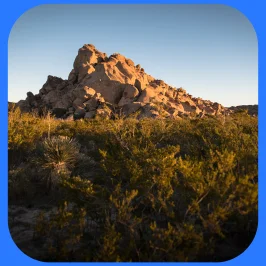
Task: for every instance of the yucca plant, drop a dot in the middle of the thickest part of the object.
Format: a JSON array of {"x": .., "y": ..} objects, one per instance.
[{"x": 58, "y": 155}]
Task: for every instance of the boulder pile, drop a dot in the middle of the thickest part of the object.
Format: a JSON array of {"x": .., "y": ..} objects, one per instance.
[{"x": 104, "y": 86}]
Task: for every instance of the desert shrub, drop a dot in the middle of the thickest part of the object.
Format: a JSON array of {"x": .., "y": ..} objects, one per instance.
[
  {"x": 176, "y": 243},
  {"x": 24, "y": 132},
  {"x": 24, "y": 129},
  {"x": 20, "y": 185},
  {"x": 61, "y": 240},
  {"x": 57, "y": 155},
  {"x": 149, "y": 190}
]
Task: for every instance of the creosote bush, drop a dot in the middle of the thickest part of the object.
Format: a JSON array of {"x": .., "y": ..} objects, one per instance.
[{"x": 144, "y": 190}]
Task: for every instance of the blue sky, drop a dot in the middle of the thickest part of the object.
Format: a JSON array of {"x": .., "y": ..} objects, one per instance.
[{"x": 209, "y": 50}]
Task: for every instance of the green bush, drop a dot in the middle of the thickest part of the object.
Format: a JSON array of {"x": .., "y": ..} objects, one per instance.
[{"x": 148, "y": 190}]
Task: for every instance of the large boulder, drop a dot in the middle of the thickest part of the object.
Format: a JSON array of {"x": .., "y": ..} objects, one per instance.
[
  {"x": 129, "y": 94},
  {"x": 91, "y": 104},
  {"x": 89, "y": 115},
  {"x": 59, "y": 112},
  {"x": 88, "y": 55},
  {"x": 131, "y": 107},
  {"x": 83, "y": 92}
]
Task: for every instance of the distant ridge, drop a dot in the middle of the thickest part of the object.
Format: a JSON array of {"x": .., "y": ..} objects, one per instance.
[{"x": 251, "y": 109}]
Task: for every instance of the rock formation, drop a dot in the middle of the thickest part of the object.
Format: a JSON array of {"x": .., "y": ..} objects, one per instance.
[{"x": 104, "y": 86}]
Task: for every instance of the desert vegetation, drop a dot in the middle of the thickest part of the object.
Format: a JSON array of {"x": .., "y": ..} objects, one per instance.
[{"x": 135, "y": 190}]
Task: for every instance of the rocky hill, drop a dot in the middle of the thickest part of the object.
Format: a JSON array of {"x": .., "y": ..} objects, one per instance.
[
  {"x": 99, "y": 85},
  {"x": 251, "y": 109}
]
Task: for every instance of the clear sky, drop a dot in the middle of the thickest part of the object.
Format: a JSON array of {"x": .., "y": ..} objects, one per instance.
[{"x": 209, "y": 50}]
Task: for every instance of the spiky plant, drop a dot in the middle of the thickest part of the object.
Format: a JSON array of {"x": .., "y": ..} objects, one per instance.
[{"x": 58, "y": 155}]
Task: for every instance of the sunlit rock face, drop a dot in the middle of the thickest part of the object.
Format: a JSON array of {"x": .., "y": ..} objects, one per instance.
[{"x": 99, "y": 85}]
